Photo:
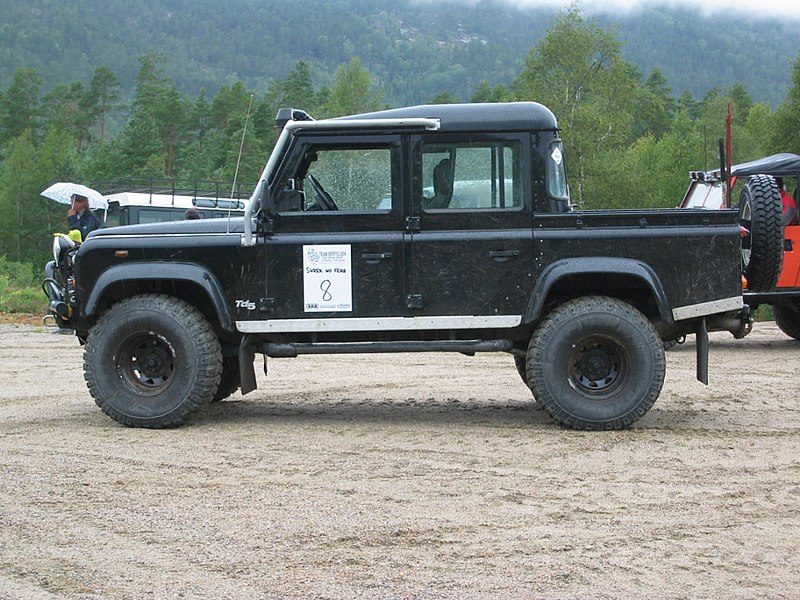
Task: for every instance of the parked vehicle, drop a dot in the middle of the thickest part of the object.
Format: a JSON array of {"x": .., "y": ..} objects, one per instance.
[
  {"x": 477, "y": 249},
  {"x": 134, "y": 200},
  {"x": 770, "y": 248}
]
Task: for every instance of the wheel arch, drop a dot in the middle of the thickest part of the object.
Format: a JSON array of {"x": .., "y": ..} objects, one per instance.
[
  {"x": 188, "y": 281},
  {"x": 623, "y": 278}
]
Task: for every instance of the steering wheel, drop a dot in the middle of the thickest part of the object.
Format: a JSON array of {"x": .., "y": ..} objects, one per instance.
[{"x": 325, "y": 200}]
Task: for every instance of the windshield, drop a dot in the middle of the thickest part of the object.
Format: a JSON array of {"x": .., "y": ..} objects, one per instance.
[{"x": 704, "y": 194}]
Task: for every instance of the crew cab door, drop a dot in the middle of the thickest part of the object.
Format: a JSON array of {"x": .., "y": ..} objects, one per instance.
[
  {"x": 336, "y": 248},
  {"x": 470, "y": 229}
]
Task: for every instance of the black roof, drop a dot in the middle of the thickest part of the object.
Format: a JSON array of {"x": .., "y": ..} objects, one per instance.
[
  {"x": 778, "y": 165},
  {"x": 501, "y": 116}
]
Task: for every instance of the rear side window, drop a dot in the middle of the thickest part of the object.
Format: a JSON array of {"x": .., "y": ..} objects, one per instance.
[{"x": 468, "y": 176}]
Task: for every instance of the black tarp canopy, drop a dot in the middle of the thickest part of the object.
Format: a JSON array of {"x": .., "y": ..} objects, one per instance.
[{"x": 784, "y": 164}]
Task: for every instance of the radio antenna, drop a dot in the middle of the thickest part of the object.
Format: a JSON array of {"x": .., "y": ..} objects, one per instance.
[
  {"x": 580, "y": 85},
  {"x": 239, "y": 159},
  {"x": 241, "y": 145}
]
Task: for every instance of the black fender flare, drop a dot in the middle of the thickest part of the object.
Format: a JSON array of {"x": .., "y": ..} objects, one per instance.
[
  {"x": 171, "y": 271},
  {"x": 571, "y": 267}
]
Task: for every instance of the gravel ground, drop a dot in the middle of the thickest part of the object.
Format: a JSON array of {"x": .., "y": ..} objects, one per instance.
[{"x": 402, "y": 476}]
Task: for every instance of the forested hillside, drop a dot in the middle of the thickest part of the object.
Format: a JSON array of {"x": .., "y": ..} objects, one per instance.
[{"x": 415, "y": 50}]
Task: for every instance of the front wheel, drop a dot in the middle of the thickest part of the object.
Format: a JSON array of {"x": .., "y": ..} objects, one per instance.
[
  {"x": 152, "y": 361},
  {"x": 596, "y": 363}
]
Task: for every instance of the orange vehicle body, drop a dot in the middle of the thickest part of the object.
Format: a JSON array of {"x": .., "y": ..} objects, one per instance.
[{"x": 790, "y": 272}]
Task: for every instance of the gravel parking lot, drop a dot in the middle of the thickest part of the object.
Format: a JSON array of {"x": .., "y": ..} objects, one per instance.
[{"x": 402, "y": 476}]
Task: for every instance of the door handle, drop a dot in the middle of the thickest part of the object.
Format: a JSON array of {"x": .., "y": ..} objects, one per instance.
[
  {"x": 376, "y": 256},
  {"x": 503, "y": 255}
]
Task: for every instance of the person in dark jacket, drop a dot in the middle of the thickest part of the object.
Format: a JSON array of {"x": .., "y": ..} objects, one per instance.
[{"x": 81, "y": 217}]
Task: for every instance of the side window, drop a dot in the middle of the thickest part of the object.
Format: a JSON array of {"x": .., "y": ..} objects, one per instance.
[
  {"x": 479, "y": 175},
  {"x": 113, "y": 216},
  {"x": 556, "y": 173},
  {"x": 330, "y": 178},
  {"x": 160, "y": 215}
]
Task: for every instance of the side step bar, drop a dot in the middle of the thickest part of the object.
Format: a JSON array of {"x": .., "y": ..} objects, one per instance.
[
  {"x": 249, "y": 346},
  {"x": 274, "y": 350}
]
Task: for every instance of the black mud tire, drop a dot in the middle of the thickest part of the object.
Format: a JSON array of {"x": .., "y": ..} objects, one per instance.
[
  {"x": 152, "y": 361},
  {"x": 787, "y": 318},
  {"x": 521, "y": 363},
  {"x": 761, "y": 213},
  {"x": 231, "y": 379},
  {"x": 596, "y": 363}
]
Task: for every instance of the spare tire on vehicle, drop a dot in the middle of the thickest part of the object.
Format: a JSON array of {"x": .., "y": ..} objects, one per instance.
[{"x": 761, "y": 214}]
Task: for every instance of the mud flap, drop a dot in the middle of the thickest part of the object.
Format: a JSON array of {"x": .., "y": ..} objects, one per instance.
[
  {"x": 701, "y": 335},
  {"x": 247, "y": 372}
]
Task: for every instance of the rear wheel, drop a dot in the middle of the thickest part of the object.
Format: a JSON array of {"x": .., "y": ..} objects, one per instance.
[
  {"x": 761, "y": 213},
  {"x": 596, "y": 363},
  {"x": 152, "y": 361}
]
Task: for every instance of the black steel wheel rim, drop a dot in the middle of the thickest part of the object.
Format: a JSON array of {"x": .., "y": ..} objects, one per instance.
[
  {"x": 597, "y": 366},
  {"x": 146, "y": 363},
  {"x": 746, "y": 221}
]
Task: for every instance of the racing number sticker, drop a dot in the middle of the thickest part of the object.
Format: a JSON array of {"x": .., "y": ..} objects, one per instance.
[{"x": 327, "y": 278}]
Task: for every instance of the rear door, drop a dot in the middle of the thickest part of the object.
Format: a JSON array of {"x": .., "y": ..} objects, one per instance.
[{"x": 470, "y": 228}]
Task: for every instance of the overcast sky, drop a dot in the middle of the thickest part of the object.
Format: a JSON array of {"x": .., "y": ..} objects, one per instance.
[{"x": 777, "y": 8}]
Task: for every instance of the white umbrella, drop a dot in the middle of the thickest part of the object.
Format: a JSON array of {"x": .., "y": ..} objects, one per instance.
[{"x": 62, "y": 192}]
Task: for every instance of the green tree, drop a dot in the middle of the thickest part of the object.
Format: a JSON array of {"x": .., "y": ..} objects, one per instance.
[
  {"x": 444, "y": 98},
  {"x": 655, "y": 106},
  {"x": 55, "y": 161},
  {"x": 711, "y": 119},
  {"x": 64, "y": 108},
  {"x": 653, "y": 172},
  {"x": 757, "y": 130},
  {"x": 21, "y": 105},
  {"x": 688, "y": 105},
  {"x": 742, "y": 103},
  {"x": 297, "y": 90},
  {"x": 486, "y": 93},
  {"x": 159, "y": 104},
  {"x": 352, "y": 91},
  {"x": 216, "y": 135},
  {"x": 103, "y": 94},
  {"x": 785, "y": 136},
  {"x": 29, "y": 220},
  {"x": 16, "y": 189},
  {"x": 576, "y": 69}
]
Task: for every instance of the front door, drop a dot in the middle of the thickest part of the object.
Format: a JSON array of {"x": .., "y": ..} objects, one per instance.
[{"x": 336, "y": 254}]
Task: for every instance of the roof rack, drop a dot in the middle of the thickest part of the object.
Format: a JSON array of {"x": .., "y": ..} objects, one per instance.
[{"x": 208, "y": 191}]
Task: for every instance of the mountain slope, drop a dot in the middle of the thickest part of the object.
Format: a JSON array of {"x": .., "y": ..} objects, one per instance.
[{"x": 414, "y": 49}]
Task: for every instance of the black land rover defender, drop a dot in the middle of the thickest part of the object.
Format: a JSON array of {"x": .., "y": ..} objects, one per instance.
[{"x": 421, "y": 229}]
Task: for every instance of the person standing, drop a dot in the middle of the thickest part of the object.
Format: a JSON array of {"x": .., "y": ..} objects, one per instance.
[{"x": 81, "y": 217}]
